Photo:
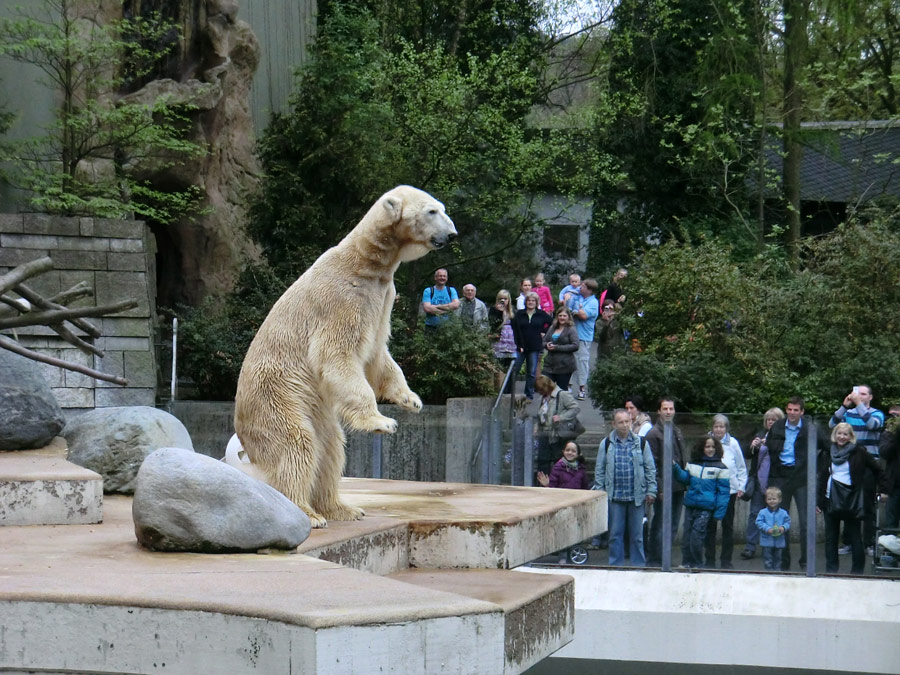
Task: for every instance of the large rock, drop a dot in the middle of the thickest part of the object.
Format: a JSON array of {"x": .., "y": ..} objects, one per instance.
[
  {"x": 115, "y": 441},
  {"x": 185, "y": 501},
  {"x": 30, "y": 416}
]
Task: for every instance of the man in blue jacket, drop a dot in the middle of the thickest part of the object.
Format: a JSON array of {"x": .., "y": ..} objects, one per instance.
[{"x": 788, "y": 448}]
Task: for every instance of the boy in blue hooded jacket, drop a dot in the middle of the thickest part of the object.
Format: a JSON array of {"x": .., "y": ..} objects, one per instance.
[
  {"x": 708, "y": 490},
  {"x": 773, "y": 523}
]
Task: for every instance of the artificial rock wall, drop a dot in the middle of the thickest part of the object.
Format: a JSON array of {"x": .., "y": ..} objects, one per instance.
[{"x": 117, "y": 259}]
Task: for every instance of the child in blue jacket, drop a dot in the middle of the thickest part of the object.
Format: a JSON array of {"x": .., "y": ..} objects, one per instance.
[
  {"x": 773, "y": 523},
  {"x": 708, "y": 484}
]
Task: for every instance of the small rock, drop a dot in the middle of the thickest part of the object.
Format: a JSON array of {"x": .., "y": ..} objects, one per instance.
[
  {"x": 186, "y": 501},
  {"x": 30, "y": 416},
  {"x": 114, "y": 441}
]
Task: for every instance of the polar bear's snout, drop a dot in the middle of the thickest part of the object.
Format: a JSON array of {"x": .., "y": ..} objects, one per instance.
[
  {"x": 445, "y": 229},
  {"x": 441, "y": 240}
]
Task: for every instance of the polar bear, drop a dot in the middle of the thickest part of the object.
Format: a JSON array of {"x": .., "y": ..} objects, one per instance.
[{"x": 321, "y": 358}]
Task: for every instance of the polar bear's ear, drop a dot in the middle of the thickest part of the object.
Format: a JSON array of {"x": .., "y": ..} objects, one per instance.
[{"x": 394, "y": 207}]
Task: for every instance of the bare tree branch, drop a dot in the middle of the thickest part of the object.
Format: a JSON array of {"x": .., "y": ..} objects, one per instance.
[
  {"x": 55, "y": 316},
  {"x": 15, "y": 347},
  {"x": 78, "y": 291},
  {"x": 15, "y": 305},
  {"x": 36, "y": 299},
  {"x": 76, "y": 341},
  {"x": 23, "y": 272}
]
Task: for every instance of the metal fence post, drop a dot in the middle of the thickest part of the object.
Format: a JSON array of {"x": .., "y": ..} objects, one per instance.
[
  {"x": 377, "y": 440},
  {"x": 486, "y": 449},
  {"x": 812, "y": 443},
  {"x": 528, "y": 457},
  {"x": 666, "y": 465},
  {"x": 496, "y": 451},
  {"x": 518, "y": 453}
]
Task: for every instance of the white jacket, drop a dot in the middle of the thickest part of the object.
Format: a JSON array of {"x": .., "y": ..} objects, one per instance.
[{"x": 733, "y": 458}]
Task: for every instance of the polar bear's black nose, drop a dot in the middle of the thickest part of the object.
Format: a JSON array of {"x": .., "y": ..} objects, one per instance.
[{"x": 451, "y": 237}]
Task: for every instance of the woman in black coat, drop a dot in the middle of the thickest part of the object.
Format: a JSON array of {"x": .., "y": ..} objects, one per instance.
[
  {"x": 529, "y": 326},
  {"x": 561, "y": 343},
  {"x": 846, "y": 465}
]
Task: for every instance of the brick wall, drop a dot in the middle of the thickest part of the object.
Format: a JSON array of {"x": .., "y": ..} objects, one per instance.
[{"x": 117, "y": 259}]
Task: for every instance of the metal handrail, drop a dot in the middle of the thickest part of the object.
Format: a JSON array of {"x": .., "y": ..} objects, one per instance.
[{"x": 485, "y": 433}]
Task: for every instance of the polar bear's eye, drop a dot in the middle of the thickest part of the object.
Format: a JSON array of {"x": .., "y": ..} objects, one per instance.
[{"x": 432, "y": 212}]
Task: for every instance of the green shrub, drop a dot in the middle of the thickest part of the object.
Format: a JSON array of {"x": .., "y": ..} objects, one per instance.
[
  {"x": 214, "y": 337},
  {"x": 721, "y": 335},
  {"x": 455, "y": 361}
]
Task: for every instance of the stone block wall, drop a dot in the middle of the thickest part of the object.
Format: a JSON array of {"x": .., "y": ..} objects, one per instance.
[
  {"x": 117, "y": 259},
  {"x": 434, "y": 445}
]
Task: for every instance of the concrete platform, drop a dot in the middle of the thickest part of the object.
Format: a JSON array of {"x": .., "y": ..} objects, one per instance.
[
  {"x": 87, "y": 598},
  {"x": 728, "y": 622},
  {"x": 479, "y": 526},
  {"x": 40, "y": 487}
]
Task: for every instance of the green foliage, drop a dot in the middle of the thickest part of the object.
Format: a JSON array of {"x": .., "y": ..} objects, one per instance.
[
  {"x": 214, "y": 337},
  {"x": 719, "y": 334},
  {"x": 99, "y": 154},
  {"x": 454, "y": 361},
  {"x": 680, "y": 119},
  {"x": 370, "y": 113}
]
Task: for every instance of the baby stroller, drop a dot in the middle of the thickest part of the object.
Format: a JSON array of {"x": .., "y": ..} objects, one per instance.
[{"x": 575, "y": 555}]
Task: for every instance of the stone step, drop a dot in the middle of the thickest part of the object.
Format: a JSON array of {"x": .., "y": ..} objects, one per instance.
[
  {"x": 537, "y": 612},
  {"x": 40, "y": 487},
  {"x": 114, "y": 607}
]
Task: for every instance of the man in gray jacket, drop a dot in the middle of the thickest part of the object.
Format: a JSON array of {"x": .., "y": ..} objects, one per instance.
[
  {"x": 625, "y": 470},
  {"x": 472, "y": 310}
]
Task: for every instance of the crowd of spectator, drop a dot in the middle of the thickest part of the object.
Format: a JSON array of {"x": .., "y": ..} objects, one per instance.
[{"x": 857, "y": 465}]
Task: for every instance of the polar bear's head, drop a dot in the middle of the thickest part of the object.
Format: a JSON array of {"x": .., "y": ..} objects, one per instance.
[{"x": 420, "y": 223}]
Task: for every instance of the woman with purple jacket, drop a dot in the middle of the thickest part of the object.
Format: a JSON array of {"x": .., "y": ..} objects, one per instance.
[
  {"x": 569, "y": 472},
  {"x": 759, "y": 476}
]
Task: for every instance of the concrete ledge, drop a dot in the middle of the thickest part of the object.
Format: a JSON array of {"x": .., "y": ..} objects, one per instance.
[
  {"x": 376, "y": 545},
  {"x": 539, "y": 612},
  {"x": 761, "y": 620},
  {"x": 449, "y": 527},
  {"x": 40, "y": 487},
  {"x": 105, "y": 605}
]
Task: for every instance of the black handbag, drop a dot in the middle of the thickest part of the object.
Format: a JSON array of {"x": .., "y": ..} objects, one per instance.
[
  {"x": 846, "y": 501},
  {"x": 752, "y": 487},
  {"x": 568, "y": 430}
]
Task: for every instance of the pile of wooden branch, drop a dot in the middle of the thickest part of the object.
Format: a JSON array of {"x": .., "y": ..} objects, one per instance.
[{"x": 22, "y": 306}]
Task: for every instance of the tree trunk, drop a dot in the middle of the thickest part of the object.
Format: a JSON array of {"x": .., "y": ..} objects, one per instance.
[{"x": 796, "y": 19}]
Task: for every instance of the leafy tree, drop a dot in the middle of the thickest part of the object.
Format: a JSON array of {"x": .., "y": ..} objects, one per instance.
[
  {"x": 365, "y": 118},
  {"x": 720, "y": 334},
  {"x": 681, "y": 107},
  {"x": 96, "y": 157}
]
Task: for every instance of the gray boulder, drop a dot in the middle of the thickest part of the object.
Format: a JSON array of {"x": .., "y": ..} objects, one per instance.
[
  {"x": 30, "y": 416},
  {"x": 114, "y": 441},
  {"x": 185, "y": 501}
]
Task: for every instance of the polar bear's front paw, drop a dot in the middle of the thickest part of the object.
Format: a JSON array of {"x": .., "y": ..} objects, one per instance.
[
  {"x": 316, "y": 520},
  {"x": 342, "y": 511},
  {"x": 409, "y": 400},
  {"x": 379, "y": 424}
]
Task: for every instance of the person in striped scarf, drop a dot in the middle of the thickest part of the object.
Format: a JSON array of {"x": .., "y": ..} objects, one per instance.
[{"x": 867, "y": 424}]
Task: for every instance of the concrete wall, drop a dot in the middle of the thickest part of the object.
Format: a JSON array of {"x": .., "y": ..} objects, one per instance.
[
  {"x": 117, "y": 259},
  {"x": 760, "y": 620},
  {"x": 434, "y": 445}
]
